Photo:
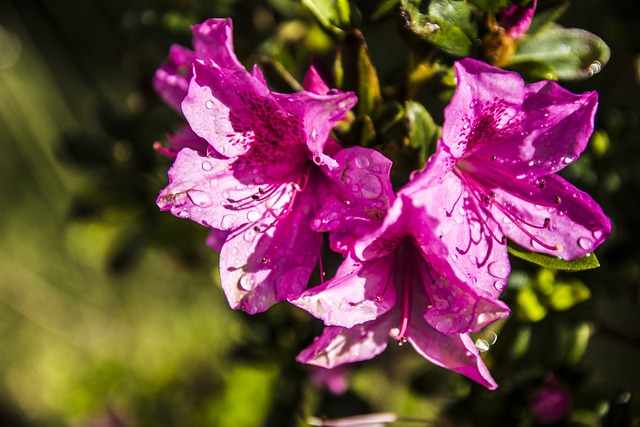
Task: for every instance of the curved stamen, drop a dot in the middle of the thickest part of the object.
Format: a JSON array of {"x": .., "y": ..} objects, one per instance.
[{"x": 402, "y": 335}]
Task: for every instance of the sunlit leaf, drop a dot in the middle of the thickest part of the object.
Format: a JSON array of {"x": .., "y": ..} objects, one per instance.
[
  {"x": 529, "y": 306},
  {"x": 585, "y": 263},
  {"x": 333, "y": 15},
  {"x": 422, "y": 130},
  {"x": 533, "y": 71},
  {"x": 575, "y": 54},
  {"x": 446, "y": 24},
  {"x": 354, "y": 71}
]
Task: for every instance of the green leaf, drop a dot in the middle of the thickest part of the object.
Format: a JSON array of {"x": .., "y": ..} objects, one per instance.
[
  {"x": 354, "y": 71},
  {"x": 529, "y": 306},
  {"x": 383, "y": 9},
  {"x": 333, "y": 15},
  {"x": 533, "y": 71},
  {"x": 422, "y": 130},
  {"x": 587, "y": 262},
  {"x": 575, "y": 54},
  {"x": 448, "y": 24},
  {"x": 567, "y": 294},
  {"x": 546, "y": 13},
  {"x": 492, "y": 6}
]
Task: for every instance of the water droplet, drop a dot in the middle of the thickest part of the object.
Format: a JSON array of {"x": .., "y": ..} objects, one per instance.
[
  {"x": 207, "y": 166},
  {"x": 245, "y": 282},
  {"x": 482, "y": 345},
  {"x": 498, "y": 285},
  {"x": 362, "y": 161},
  {"x": 568, "y": 159},
  {"x": 585, "y": 242},
  {"x": 183, "y": 214},
  {"x": 499, "y": 269},
  {"x": 228, "y": 221},
  {"x": 200, "y": 198},
  {"x": 371, "y": 188},
  {"x": 597, "y": 234},
  {"x": 209, "y": 104}
]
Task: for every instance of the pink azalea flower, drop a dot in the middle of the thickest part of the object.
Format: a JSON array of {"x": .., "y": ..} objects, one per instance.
[
  {"x": 516, "y": 19},
  {"x": 502, "y": 143},
  {"x": 260, "y": 175},
  {"x": 396, "y": 280}
]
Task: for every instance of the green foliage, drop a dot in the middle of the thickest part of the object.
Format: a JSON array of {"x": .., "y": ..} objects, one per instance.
[
  {"x": 423, "y": 132},
  {"x": 573, "y": 53},
  {"x": 445, "y": 24},
  {"x": 333, "y": 15},
  {"x": 585, "y": 263},
  {"x": 490, "y": 5}
]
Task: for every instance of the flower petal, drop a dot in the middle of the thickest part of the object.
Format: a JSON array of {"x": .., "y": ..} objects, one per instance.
[
  {"x": 220, "y": 192},
  {"x": 483, "y": 107},
  {"x": 213, "y": 41},
  {"x": 220, "y": 107},
  {"x": 359, "y": 292},
  {"x": 459, "y": 230},
  {"x": 554, "y": 128},
  {"x": 566, "y": 221},
  {"x": 517, "y": 19},
  {"x": 337, "y": 345},
  {"x": 313, "y": 82},
  {"x": 319, "y": 115},
  {"x": 362, "y": 196},
  {"x": 456, "y": 352},
  {"x": 171, "y": 80},
  {"x": 260, "y": 268}
]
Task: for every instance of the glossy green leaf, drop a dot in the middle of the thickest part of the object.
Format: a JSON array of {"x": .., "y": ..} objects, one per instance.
[
  {"x": 533, "y": 71},
  {"x": 575, "y": 54},
  {"x": 585, "y": 263},
  {"x": 447, "y": 24},
  {"x": 355, "y": 72},
  {"x": 422, "y": 130},
  {"x": 333, "y": 15}
]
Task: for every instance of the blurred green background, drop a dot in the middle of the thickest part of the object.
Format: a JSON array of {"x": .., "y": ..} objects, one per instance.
[{"x": 110, "y": 313}]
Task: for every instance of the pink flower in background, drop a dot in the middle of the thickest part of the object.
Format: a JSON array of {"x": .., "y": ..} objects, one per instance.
[
  {"x": 252, "y": 168},
  {"x": 502, "y": 143},
  {"x": 552, "y": 402},
  {"x": 516, "y": 19}
]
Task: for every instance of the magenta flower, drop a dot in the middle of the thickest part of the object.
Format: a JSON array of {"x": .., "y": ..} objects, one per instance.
[
  {"x": 502, "y": 144},
  {"x": 260, "y": 175},
  {"x": 516, "y": 19},
  {"x": 396, "y": 280}
]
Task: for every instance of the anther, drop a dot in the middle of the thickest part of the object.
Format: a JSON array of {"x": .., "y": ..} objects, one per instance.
[
  {"x": 547, "y": 221},
  {"x": 256, "y": 229},
  {"x": 542, "y": 184},
  {"x": 493, "y": 158},
  {"x": 558, "y": 200},
  {"x": 255, "y": 197},
  {"x": 265, "y": 260},
  {"x": 378, "y": 299}
]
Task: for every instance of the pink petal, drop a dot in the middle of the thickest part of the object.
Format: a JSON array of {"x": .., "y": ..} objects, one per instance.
[
  {"x": 517, "y": 19},
  {"x": 337, "y": 345},
  {"x": 456, "y": 352},
  {"x": 216, "y": 239},
  {"x": 361, "y": 197},
  {"x": 213, "y": 42},
  {"x": 568, "y": 222},
  {"x": 357, "y": 294},
  {"x": 473, "y": 239},
  {"x": 483, "y": 107},
  {"x": 215, "y": 192},
  {"x": 220, "y": 107},
  {"x": 554, "y": 127},
  {"x": 313, "y": 82},
  {"x": 258, "y": 269},
  {"x": 171, "y": 80},
  {"x": 319, "y": 114}
]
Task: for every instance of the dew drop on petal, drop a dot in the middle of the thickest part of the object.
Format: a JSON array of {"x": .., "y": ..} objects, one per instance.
[
  {"x": 362, "y": 161},
  {"x": 597, "y": 234},
  {"x": 498, "y": 269},
  {"x": 207, "y": 166},
  {"x": 228, "y": 221},
  {"x": 245, "y": 282},
  {"x": 498, "y": 285},
  {"x": 183, "y": 214},
  {"x": 200, "y": 198},
  {"x": 585, "y": 242},
  {"x": 209, "y": 104},
  {"x": 371, "y": 188}
]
